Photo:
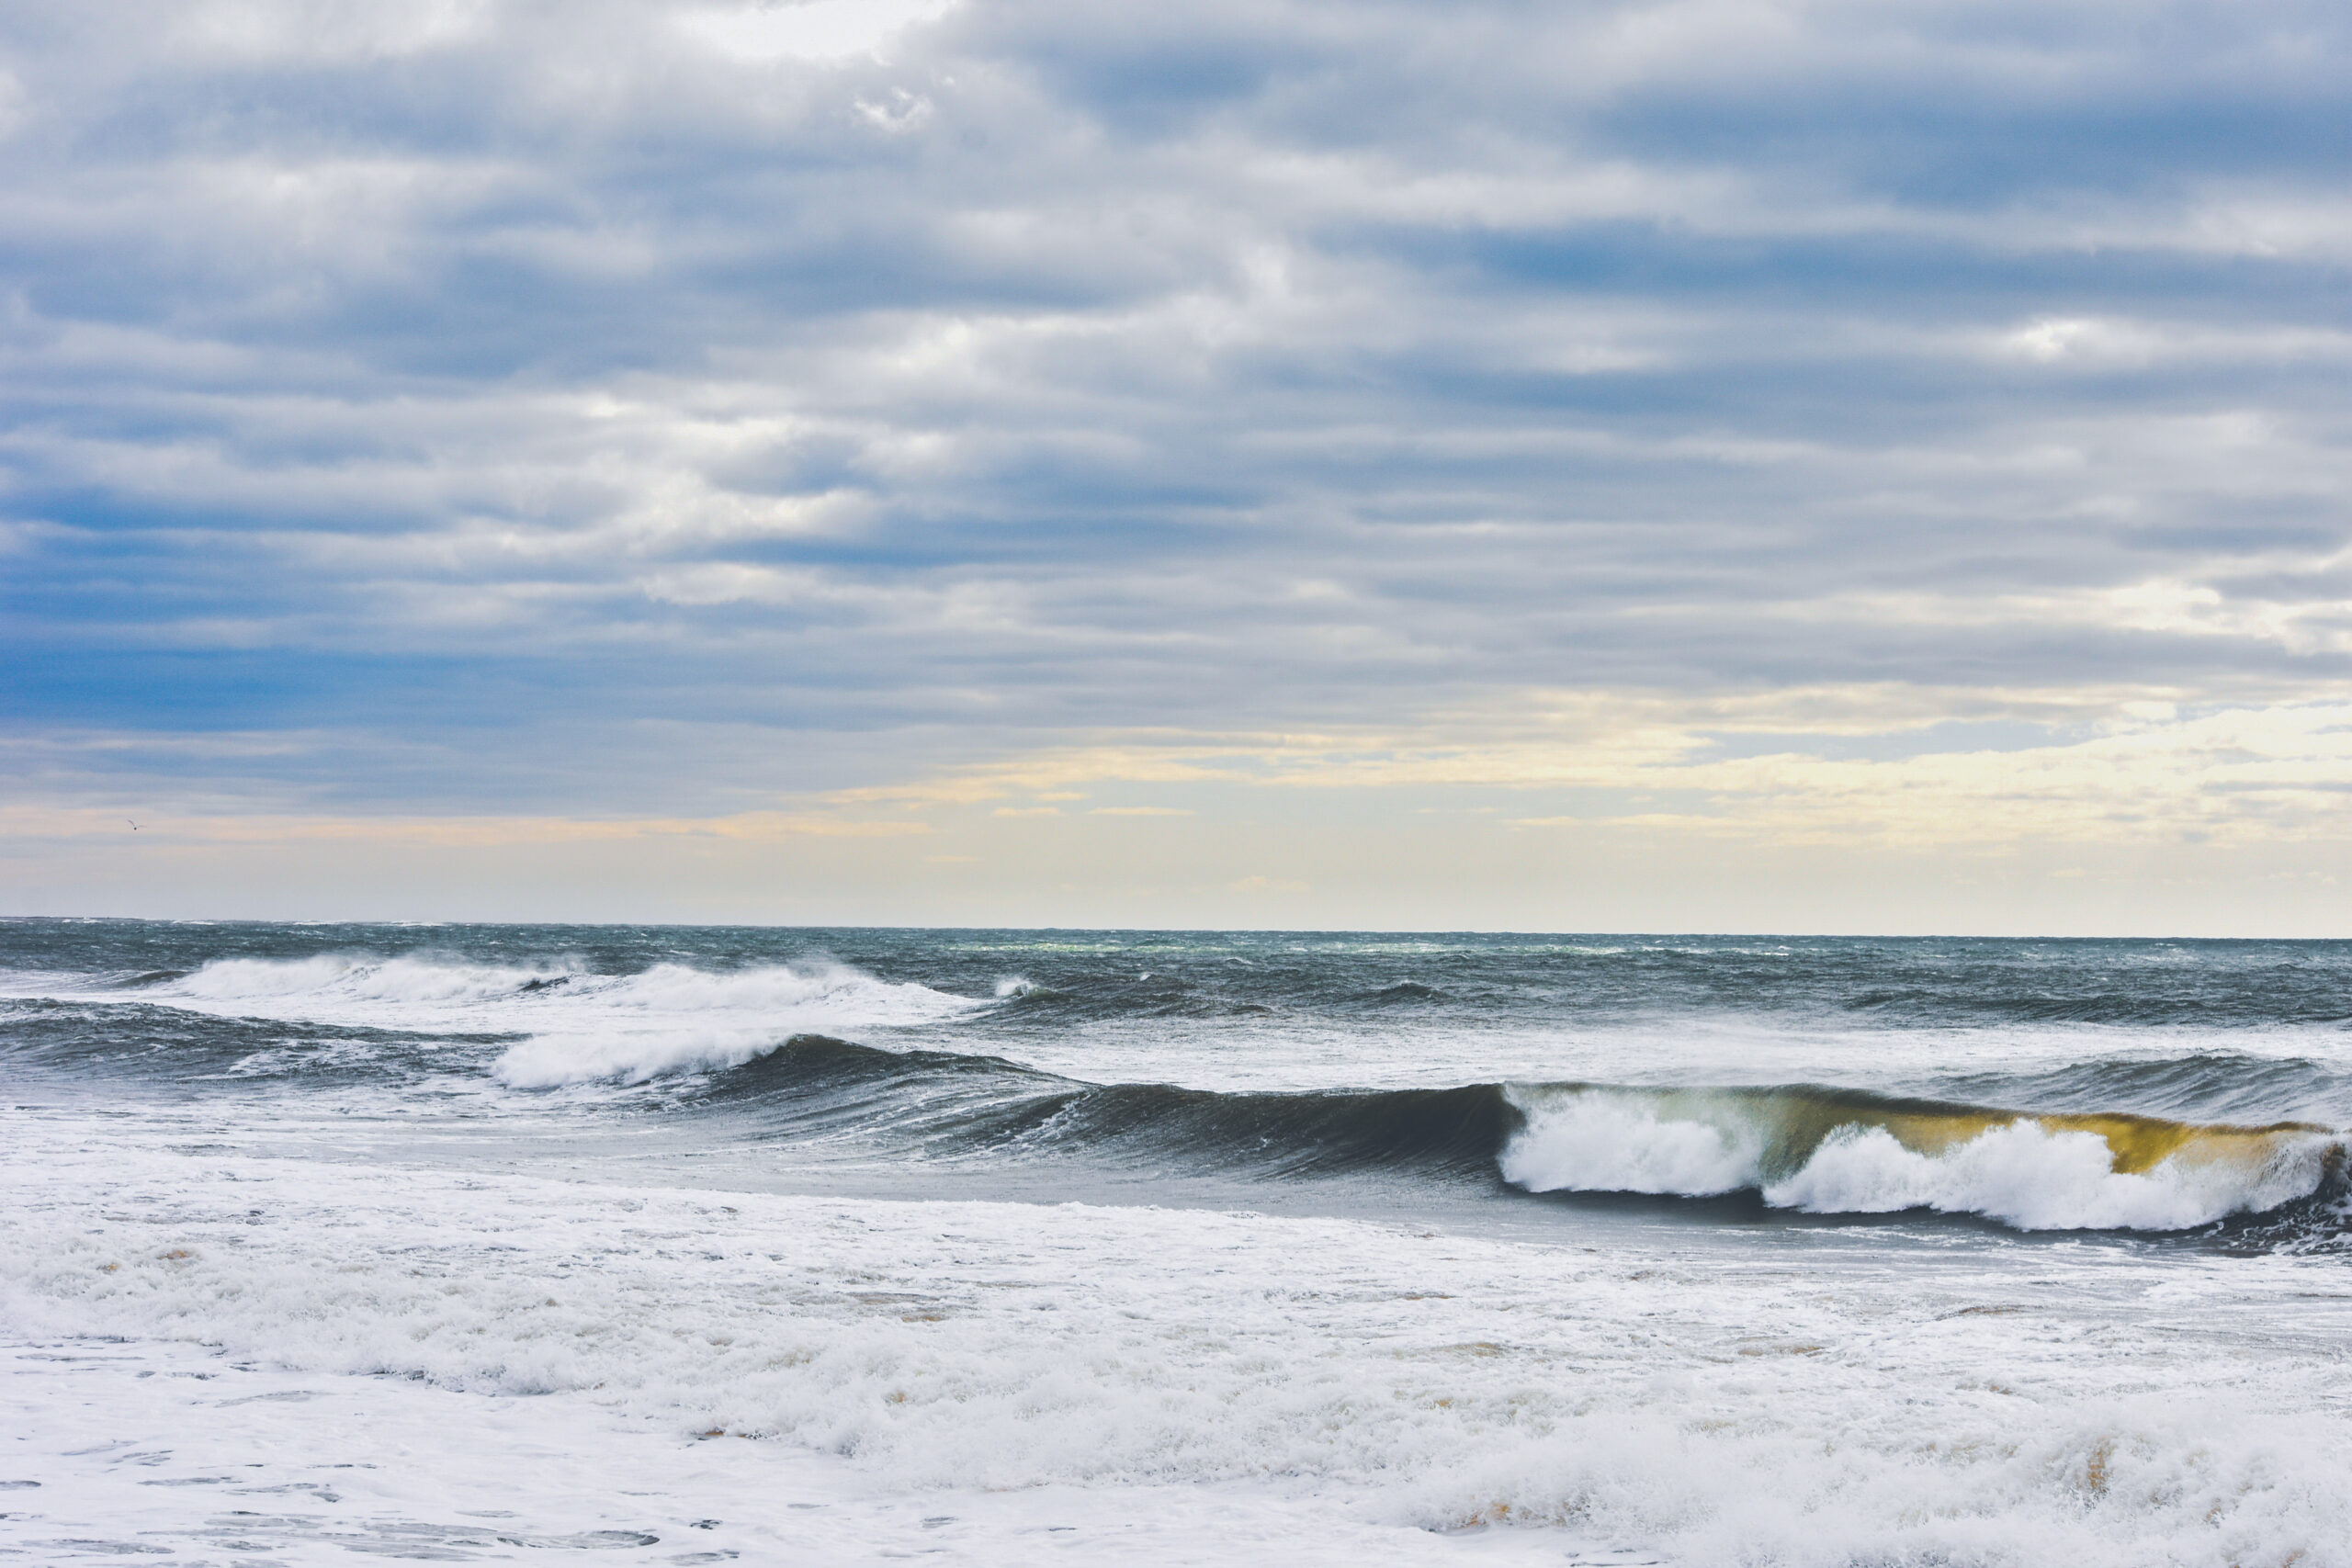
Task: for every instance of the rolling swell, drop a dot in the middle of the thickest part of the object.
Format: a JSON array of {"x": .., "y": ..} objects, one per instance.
[
  {"x": 1094, "y": 1000},
  {"x": 948, "y": 1105},
  {"x": 2201, "y": 1086},
  {"x": 92, "y": 1041}
]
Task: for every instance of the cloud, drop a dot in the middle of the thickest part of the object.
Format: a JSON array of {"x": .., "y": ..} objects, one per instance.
[{"x": 497, "y": 407}]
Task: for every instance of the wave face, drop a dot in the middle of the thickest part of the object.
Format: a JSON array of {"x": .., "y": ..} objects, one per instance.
[
  {"x": 2147, "y": 1087},
  {"x": 959, "y": 1107}
]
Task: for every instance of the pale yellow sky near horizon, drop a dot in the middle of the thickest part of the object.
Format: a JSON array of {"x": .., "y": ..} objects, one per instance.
[{"x": 1589, "y": 814}]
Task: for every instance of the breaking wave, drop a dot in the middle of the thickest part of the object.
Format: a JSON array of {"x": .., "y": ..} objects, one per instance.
[
  {"x": 570, "y": 1023},
  {"x": 1834, "y": 1152},
  {"x": 350, "y": 979}
]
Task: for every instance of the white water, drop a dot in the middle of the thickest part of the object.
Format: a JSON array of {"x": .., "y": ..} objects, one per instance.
[
  {"x": 583, "y": 1027},
  {"x": 158, "y": 1446},
  {"x": 1793, "y": 1400}
]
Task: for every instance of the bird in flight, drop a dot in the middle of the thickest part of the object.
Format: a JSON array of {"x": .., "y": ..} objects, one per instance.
[{"x": 134, "y": 827}]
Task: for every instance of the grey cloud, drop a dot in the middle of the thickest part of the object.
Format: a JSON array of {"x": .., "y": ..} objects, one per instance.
[{"x": 554, "y": 371}]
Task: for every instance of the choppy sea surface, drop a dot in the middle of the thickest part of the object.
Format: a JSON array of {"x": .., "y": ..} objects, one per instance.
[{"x": 571, "y": 1242}]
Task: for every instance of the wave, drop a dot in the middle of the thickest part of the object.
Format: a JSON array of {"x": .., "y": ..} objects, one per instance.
[
  {"x": 952, "y": 1105},
  {"x": 1405, "y": 992},
  {"x": 1841, "y": 1152},
  {"x": 349, "y": 977},
  {"x": 1821, "y": 1151}
]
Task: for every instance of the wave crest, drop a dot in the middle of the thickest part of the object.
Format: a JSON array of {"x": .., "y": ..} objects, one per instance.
[
  {"x": 580, "y": 1026},
  {"x": 348, "y": 978},
  {"x": 673, "y": 1020}
]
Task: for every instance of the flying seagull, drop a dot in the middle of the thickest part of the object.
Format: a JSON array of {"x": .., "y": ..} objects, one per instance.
[{"x": 134, "y": 827}]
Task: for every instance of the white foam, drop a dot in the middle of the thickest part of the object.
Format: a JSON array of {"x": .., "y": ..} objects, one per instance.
[
  {"x": 1702, "y": 1408},
  {"x": 581, "y": 1026},
  {"x": 165, "y": 1446}
]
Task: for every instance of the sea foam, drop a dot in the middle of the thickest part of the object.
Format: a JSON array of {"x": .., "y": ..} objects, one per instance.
[{"x": 1699, "y": 1407}]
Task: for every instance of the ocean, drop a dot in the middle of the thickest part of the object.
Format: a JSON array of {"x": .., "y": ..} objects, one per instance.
[{"x": 689, "y": 1246}]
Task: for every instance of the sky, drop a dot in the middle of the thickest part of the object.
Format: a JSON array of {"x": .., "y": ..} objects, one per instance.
[{"x": 1706, "y": 466}]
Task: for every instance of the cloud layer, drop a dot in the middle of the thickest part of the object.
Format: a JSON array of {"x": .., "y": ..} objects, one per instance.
[{"x": 604, "y": 408}]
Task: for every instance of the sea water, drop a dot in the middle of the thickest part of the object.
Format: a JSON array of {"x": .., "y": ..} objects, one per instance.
[{"x": 664, "y": 1245}]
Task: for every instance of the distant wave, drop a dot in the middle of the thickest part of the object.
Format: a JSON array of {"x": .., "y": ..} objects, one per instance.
[
  {"x": 1146, "y": 996},
  {"x": 1994, "y": 1004},
  {"x": 2200, "y": 1085},
  {"x": 1404, "y": 993},
  {"x": 178, "y": 1044},
  {"x": 575, "y": 1024},
  {"x": 349, "y": 977}
]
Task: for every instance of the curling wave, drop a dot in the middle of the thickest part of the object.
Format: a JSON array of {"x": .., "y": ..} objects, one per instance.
[{"x": 1816, "y": 1150}]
